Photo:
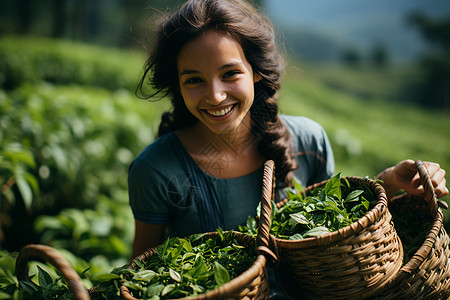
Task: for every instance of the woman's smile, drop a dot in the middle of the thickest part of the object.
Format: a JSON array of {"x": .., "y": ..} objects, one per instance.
[{"x": 221, "y": 112}]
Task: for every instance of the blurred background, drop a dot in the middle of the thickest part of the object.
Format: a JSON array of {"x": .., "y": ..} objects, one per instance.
[{"x": 375, "y": 74}]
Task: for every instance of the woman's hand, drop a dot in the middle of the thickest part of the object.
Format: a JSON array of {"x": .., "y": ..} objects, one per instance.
[{"x": 404, "y": 176}]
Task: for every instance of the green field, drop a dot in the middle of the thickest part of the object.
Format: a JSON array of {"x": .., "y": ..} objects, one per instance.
[{"x": 368, "y": 133}]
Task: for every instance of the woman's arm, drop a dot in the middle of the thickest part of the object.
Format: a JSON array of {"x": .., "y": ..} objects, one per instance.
[
  {"x": 404, "y": 176},
  {"x": 146, "y": 236}
]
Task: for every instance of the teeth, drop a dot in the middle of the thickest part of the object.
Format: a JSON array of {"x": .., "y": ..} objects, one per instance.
[{"x": 220, "y": 113}]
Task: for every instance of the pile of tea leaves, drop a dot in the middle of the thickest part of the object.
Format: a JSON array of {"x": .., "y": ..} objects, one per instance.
[
  {"x": 182, "y": 267},
  {"x": 322, "y": 210}
]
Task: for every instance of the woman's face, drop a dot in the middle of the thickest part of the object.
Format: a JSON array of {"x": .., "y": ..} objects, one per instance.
[{"x": 216, "y": 81}]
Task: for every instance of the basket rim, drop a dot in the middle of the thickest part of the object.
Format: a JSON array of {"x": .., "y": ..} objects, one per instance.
[{"x": 372, "y": 216}]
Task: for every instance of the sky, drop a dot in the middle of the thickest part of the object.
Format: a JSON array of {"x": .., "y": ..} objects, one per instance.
[{"x": 359, "y": 21}]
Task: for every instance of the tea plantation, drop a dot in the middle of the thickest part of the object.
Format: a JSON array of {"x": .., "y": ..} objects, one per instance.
[{"x": 70, "y": 124}]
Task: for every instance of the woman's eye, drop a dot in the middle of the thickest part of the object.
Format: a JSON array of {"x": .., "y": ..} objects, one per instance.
[
  {"x": 193, "y": 80},
  {"x": 231, "y": 74}
]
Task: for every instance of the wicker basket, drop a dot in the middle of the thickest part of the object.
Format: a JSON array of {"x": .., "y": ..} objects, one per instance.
[
  {"x": 252, "y": 283},
  {"x": 427, "y": 274},
  {"x": 354, "y": 262},
  {"x": 49, "y": 254}
]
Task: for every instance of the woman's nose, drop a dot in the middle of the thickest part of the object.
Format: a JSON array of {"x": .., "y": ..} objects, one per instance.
[{"x": 215, "y": 93}]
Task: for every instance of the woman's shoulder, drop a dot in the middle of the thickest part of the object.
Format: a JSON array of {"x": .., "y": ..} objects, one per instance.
[
  {"x": 301, "y": 126},
  {"x": 160, "y": 147}
]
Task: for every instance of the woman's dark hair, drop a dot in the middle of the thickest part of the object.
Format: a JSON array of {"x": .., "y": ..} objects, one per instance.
[{"x": 255, "y": 34}]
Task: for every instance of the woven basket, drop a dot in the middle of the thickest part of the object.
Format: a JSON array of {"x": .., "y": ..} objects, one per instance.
[
  {"x": 252, "y": 283},
  {"x": 427, "y": 274},
  {"x": 353, "y": 262},
  {"x": 49, "y": 254}
]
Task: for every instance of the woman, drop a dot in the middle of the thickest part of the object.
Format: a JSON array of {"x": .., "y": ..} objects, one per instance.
[{"x": 218, "y": 63}]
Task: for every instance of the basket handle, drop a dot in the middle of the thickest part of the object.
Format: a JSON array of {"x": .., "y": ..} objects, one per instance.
[
  {"x": 430, "y": 195},
  {"x": 262, "y": 238},
  {"x": 49, "y": 254}
]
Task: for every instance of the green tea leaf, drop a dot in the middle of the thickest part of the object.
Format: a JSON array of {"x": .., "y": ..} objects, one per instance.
[
  {"x": 44, "y": 278},
  {"x": 174, "y": 253},
  {"x": 331, "y": 205},
  {"x": 132, "y": 285},
  {"x": 28, "y": 287},
  {"x": 296, "y": 236},
  {"x": 221, "y": 274},
  {"x": 199, "y": 267},
  {"x": 220, "y": 232},
  {"x": 105, "y": 277},
  {"x": 298, "y": 187},
  {"x": 251, "y": 224},
  {"x": 197, "y": 288},
  {"x": 353, "y": 196},
  {"x": 333, "y": 186},
  {"x": 317, "y": 231},
  {"x": 365, "y": 203},
  {"x": 156, "y": 289},
  {"x": 175, "y": 275},
  {"x": 144, "y": 275},
  {"x": 186, "y": 245},
  {"x": 167, "y": 289},
  {"x": 300, "y": 218}
]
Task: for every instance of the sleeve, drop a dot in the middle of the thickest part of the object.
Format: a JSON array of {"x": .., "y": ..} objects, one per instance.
[
  {"x": 312, "y": 149},
  {"x": 326, "y": 167},
  {"x": 147, "y": 193}
]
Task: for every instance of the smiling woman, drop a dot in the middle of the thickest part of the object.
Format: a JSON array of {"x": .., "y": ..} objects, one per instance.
[{"x": 218, "y": 63}]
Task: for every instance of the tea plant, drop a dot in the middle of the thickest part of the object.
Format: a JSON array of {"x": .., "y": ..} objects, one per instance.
[
  {"x": 45, "y": 282},
  {"x": 46, "y": 289}
]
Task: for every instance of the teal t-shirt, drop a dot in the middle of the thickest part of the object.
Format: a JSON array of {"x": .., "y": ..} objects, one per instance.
[{"x": 161, "y": 189}]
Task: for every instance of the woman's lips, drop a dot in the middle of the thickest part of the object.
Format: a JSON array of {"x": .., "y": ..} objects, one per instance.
[{"x": 222, "y": 112}]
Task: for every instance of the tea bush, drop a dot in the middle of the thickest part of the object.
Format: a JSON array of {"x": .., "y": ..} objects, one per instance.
[
  {"x": 35, "y": 59},
  {"x": 82, "y": 141}
]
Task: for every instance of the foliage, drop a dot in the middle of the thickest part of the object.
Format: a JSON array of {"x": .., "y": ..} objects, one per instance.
[
  {"x": 319, "y": 211},
  {"x": 46, "y": 289},
  {"x": 181, "y": 268},
  {"x": 34, "y": 59},
  {"x": 86, "y": 233},
  {"x": 74, "y": 143},
  {"x": 44, "y": 283},
  {"x": 8, "y": 280},
  {"x": 14, "y": 164}
]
